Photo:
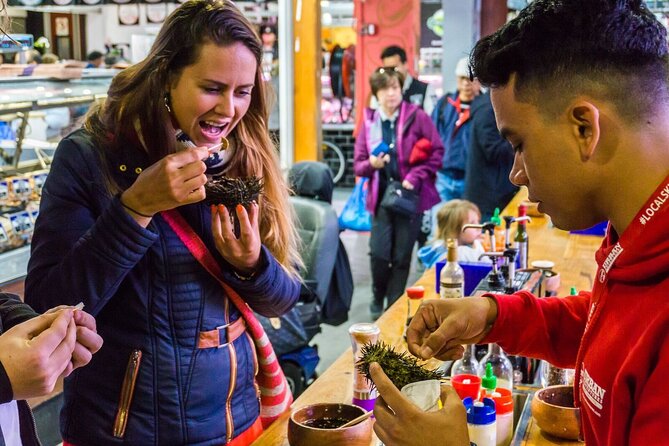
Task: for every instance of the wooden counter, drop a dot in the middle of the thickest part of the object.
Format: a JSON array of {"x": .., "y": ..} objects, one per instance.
[{"x": 574, "y": 260}]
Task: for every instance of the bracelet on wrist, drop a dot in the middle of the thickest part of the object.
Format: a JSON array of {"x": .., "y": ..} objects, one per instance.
[
  {"x": 242, "y": 276},
  {"x": 134, "y": 211}
]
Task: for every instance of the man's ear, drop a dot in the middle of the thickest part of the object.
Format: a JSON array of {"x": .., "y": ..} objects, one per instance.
[{"x": 584, "y": 120}]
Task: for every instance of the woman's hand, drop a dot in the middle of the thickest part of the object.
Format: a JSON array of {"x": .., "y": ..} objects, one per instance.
[
  {"x": 407, "y": 185},
  {"x": 379, "y": 162},
  {"x": 242, "y": 253},
  {"x": 174, "y": 181}
]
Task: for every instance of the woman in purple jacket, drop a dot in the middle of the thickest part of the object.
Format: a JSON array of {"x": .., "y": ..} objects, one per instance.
[{"x": 397, "y": 142}]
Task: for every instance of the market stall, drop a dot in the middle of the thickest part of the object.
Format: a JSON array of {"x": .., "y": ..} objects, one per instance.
[{"x": 573, "y": 255}]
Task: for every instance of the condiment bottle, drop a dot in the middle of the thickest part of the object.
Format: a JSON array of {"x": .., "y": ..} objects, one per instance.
[
  {"x": 481, "y": 421},
  {"x": 452, "y": 277},
  {"x": 503, "y": 416},
  {"x": 414, "y": 293},
  {"x": 521, "y": 238},
  {"x": 364, "y": 394},
  {"x": 501, "y": 366},
  {"x": 488, "y": 382}
]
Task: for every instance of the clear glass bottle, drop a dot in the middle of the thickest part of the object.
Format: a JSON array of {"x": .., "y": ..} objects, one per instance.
[
  {"x": 521, "y": 239},
  {"x": 452, "y": 277},
  {"x": 468, "y": 365},
  {"x": 552, "y": 375},
  {"x": 501, "y": 366},
  {"x": 364, "y": 392}
]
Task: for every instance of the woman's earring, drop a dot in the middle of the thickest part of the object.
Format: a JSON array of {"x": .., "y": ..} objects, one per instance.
[{"x": 167, "y": 103}]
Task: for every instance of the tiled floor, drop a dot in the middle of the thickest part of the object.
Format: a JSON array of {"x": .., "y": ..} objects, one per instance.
[{"x": 335, "y": 340}]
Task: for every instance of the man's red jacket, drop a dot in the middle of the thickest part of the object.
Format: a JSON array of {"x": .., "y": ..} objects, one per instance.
[{"x": 617, "y": 336}]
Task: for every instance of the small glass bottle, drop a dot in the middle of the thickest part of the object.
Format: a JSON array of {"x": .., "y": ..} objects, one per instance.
[
  {"x": 501, "y": 366},
  {"x": 364, "y": 393},
  {"x": 468, "y": 365},
  {"x": 452, "y": 277},
  {"x": 414, "y": 293},
  {"x": 521, "y": 239}
]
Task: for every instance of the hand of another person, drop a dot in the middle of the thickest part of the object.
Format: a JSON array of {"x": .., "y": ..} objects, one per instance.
[
  {"x": 242, "y": 253},
  {"x": 407, "y": 185},
  {"x": 378, "y": 162},
  {"x": 399, "y": 422},
  {"x": 441, "y": 326},
  {"x": 88, "y": 340},
  {"x": 36, "y": 352},
  {"x": 174, "y": 181}
]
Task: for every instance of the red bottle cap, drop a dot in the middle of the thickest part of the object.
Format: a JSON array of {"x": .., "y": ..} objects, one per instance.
[
  {"x": 466, "y": 385},
  {"x": 504, "y": 402},
  {"x": 416, "y": 292},
  {"x": 522, "y": 210}
]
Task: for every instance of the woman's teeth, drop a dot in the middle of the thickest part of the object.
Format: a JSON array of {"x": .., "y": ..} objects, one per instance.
[{"x": 212, "y": 128}]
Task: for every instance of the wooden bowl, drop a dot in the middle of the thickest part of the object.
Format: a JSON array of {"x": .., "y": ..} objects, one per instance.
[
  {"x": 553, "y": 409},
  {"x": 314, "y": 425}
]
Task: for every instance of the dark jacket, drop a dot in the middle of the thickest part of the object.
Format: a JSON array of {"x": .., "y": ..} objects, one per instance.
[
  {"x": 413, "y": 125},
  {"x": 456, "y": 143},
  {"x": 14, "y": 312},
  {"x": 489, "y": 162},
  {"x": 147, "y": 293}
]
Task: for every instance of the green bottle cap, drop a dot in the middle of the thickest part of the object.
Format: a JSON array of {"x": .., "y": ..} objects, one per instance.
[
  {"x": 573, "y": 291},
  {"x": 495, "y": 218},
  {"x": 489, "y": 381}
]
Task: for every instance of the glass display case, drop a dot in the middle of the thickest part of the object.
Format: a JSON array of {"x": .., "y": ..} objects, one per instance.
[{"x": 28, "y": 106}]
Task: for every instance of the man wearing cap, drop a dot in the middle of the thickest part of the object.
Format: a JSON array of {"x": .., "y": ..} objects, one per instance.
[{"x": 452, "y": 118}]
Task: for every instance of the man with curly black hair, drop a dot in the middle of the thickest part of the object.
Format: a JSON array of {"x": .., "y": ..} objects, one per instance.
[{"x": 579, "y": 89}]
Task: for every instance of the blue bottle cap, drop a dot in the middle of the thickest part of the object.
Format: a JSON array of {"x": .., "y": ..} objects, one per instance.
[{"x": 478, "y": 412}]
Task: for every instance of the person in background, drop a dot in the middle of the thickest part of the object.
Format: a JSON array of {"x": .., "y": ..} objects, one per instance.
[
  {"x": 415, "y": 92},
  {"x": 397, "y": 142},
  {"x": 176, "y": 345},
  {"x": 489, "y": 162},
  {"x": 95, "y": 59},
  {"x": 584, "y": 102},
  {"x": 451, "y": 217},
  {"x": 452, "y": 118},
  {"x": 35, "y": 350}
]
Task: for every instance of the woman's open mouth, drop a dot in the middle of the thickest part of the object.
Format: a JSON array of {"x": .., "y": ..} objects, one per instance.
[{"x": 212, "y": 129}]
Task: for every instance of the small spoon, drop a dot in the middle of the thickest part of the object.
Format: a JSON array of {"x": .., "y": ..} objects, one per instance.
[
  {"x": 357, "y": 420},
  {"x": 218, "y": 147}
]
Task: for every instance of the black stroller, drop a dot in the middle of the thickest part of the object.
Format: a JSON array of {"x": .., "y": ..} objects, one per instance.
[{"x": 328, "y": 283}]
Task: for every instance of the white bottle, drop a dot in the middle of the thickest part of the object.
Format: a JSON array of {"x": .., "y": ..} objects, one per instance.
[
  {"x": 481, "y": 422},
  {"x": 501, "y": 366},
  {"x": 452, "y": 277}
]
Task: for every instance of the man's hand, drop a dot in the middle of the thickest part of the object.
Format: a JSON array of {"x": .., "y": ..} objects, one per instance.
[
  {"x": 400, "y": 422},
  {"x": 441, "y": 326},
  {"x": 36, "y": 352}
]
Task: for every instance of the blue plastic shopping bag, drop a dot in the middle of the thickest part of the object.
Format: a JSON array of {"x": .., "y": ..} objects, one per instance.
[{"x": 354, "y": 216}]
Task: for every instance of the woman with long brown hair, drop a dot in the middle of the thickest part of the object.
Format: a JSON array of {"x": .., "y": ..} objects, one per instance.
[{"x": 178, "y": 364}]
